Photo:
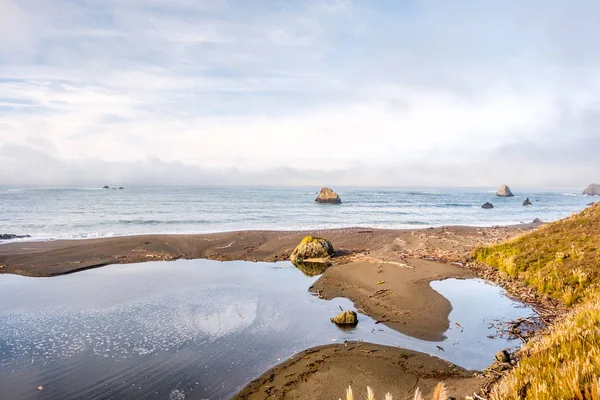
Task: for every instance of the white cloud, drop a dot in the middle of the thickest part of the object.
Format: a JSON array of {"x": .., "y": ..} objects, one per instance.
[{"x": 298, "y": 87}]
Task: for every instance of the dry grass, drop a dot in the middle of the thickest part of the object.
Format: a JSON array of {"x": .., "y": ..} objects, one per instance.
[
  {"x": 439, "y": 393},
  {"x": 561, "y": 259}
]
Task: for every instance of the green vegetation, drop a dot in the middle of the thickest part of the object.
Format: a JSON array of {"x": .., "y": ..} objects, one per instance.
[{"x": 561, "y": 259}]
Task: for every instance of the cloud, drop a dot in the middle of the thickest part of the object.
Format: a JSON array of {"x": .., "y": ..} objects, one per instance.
[{"x": 270, "y": 92}]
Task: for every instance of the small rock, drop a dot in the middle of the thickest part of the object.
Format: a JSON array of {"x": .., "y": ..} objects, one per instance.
[
  {"x": 105, "y": 187},
  {"x": 40, "y": 387},
  {"x": 591, "y": 204},
  {"x": 487, "y": 205},
  {"x": 527, "y": 202},
  {"x": 121, "y": 188},
  {"x": 503, "y": 356},
  {"x": 328, "y": 196},
  {"x": 346, "y": 318},
  {"x": 504, "y": 191},
  {"x": 538, "y": 221}
]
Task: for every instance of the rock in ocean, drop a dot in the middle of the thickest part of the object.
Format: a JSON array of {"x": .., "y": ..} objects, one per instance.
[
  {"x": 504, "y": 191},
  {"x": 328, "y": 196},
  {"x": 527, "y": 202},
  {"x": 592, "y": 190},
  {"x": 9, "y": 236},
  {"x": 487, "y": 206}
]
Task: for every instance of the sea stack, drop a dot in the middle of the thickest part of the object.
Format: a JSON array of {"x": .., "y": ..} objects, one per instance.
[
  {"x": 328, "y": 196},
  {"x": 527, "y": 202},
  {"x": 592, "y": 190},
  {"x": 504, "y": 191}
]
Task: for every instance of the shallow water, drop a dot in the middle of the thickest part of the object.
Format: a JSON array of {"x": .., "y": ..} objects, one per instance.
[
  {"x": 84, "y": 213},
  {"x": 197, "y": 329}
]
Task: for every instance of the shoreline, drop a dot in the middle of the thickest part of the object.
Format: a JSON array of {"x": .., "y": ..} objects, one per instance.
[
  {"x": 385, "y": 273},
  {"x": 58, "y": 257}
]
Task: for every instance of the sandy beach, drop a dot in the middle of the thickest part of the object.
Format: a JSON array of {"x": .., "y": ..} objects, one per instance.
[{"x": 386, "y": 273}]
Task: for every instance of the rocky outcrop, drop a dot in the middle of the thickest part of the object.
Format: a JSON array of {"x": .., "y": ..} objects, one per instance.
[
  {"x": 592, "y": 190},
  {"x": 311, "y": 248},
  {"x": 487, "y": 205},
  {"x": 328, "y": 196},
  {"x": 9, "y": 236},
  {"x": 105, "y": 187},
  {"x": 346, "y": 318},
  {"x": 504, "y": 191},
  {"x": 121, "y": 188},
  {"x": 527, "y": 202}
]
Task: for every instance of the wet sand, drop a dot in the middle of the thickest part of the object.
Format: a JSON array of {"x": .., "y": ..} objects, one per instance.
[
  {"x": 386, "y": 273},
  {"x": 325, "y": 372},
  {"x": 59, "y": 257},
  {"x": 397, "y": 295}
]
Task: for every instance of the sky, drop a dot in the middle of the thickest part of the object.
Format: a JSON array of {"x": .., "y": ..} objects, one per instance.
[{"x": 300, "y": 92}]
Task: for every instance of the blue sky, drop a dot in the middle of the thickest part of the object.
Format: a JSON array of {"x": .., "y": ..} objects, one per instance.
[{"x": 312, "y": 92}]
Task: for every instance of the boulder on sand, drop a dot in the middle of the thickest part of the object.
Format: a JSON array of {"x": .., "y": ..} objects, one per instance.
[
  {"x": 312, "y": 248},
  {"x": 504, "y": 191},
  {"x": 592, "y": 190},
  {"x": 328, "y": 196},
  {"x": 527, "y": 202},
  {"x": 346, "y": 318},
  {"x": 487, "y": 205}
]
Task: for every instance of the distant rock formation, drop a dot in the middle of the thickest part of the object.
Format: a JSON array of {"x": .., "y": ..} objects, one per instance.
[
  {"x": 504, "y": 191},
  {"x": 105, "y": 187},
  {"x": 311, "y": 248},
  {"x": 346, "y": 318},
  {"x": 121, "y": 188},
  {"x": 591, "y": 204},
  {"x": 592, "y": 190},
  {"x": 487, "y": 205},
  {"x": 9, "y": 236},
  {"x": 527, "y": 202},
  {"x": 328, "y": 196},
  {"x": 538, "y": 221}
]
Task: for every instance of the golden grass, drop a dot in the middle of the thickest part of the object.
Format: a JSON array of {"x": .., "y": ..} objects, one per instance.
[
  {"x": 439, "y": 393},
  {"x": 561, "y": 259}
]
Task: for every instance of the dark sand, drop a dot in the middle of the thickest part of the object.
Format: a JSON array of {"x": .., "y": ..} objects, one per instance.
[
  {"x": 404, "y": 260},
  {"x": 325, "y": 372}
]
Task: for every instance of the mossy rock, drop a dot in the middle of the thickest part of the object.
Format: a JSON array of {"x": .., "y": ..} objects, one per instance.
[
  {"x": 311, "y": 248},
  {"x": 346, "y": 318}
]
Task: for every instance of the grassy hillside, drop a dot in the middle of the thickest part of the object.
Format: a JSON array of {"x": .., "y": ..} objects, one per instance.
[{"x": 561, "y": 259}]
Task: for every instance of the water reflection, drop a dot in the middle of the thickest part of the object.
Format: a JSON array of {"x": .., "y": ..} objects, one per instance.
[
  {"x": 198, "y": 328},
  {"x": 309, "y": 268}
]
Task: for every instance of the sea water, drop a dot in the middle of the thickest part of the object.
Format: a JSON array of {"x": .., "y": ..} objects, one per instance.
[{"x": 59, "y": 213}]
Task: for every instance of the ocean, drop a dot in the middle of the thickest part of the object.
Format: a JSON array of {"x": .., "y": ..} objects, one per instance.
[{"x": 78, "y": 213}]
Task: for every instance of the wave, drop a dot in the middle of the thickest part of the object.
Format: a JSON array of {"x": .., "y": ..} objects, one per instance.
[{"x": 158, "y": 222}]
